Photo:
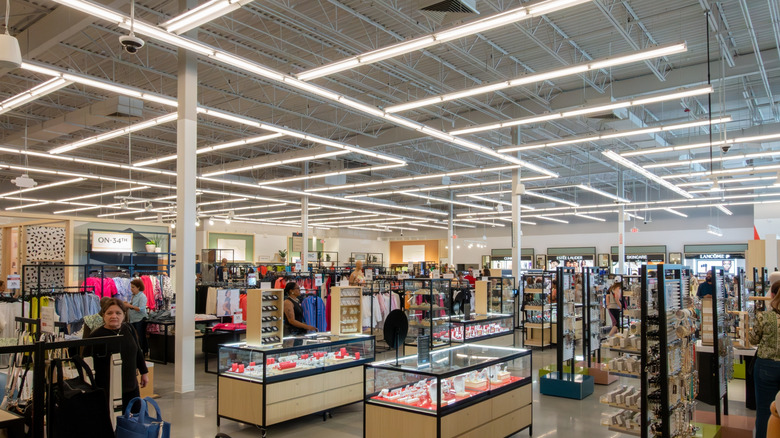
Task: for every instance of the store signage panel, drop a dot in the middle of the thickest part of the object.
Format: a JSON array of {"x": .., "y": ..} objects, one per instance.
[
  {"x": 297, "y": 242},
  {"x": 715, "y": 256},
  {"x": 109, "y": 241}
]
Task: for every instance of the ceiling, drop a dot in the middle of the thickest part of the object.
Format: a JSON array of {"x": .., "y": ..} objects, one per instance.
[{"x": 259, "y": 115}]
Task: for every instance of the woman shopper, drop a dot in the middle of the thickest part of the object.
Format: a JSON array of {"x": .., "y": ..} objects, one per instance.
[
  {"x": 114, "y": 315},
  {"x": 614, "y": 300},
  {"x": 136, "y": 312},
  {"x": 293, "y": 312},
  {"x": 766, "y": 371}
]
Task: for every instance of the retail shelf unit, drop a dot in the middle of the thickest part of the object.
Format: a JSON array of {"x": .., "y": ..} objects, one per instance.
[
  {"x": 465, "y": 390},
  {"x": 737, "y": 310},
  {"x": 491, "y": 329},
  {"x": 345, "y": 310},
  {"x": 627, "y": 341},
  {"x": 559, "y": 382},
  {"x": 266, "y": 326},
  {"x": 714, "y": 331},
  {"x": 266, "y": 385},
  {"x": 537, "y": 309},
  {"x": 669, "y": 380},
  {"x": 428, "y": 305},
  {"x": 499, "y": 295},
  {"x": 594, "y": 287}
]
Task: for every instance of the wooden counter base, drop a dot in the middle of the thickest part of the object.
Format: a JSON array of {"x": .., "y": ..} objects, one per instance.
[
  {"x": 500, "y": 416},
  {"x": 244, "y": 400}
]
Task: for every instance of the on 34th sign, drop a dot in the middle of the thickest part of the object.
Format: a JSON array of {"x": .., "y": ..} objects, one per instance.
[{"x": 109, "y": 241}]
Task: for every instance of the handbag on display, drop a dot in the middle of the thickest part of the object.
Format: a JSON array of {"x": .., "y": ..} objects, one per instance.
[
  {"x": 140, "y": 425},
  {"x": 78, "y": 407}
]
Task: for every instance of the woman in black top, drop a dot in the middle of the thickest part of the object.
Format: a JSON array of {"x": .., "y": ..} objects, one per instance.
[
  {"x": 114, "y": 315},
  {"x": 293, "y": 312}
]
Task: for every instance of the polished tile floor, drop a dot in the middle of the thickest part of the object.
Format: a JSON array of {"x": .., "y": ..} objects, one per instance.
[{"x": 193, "y": 415}]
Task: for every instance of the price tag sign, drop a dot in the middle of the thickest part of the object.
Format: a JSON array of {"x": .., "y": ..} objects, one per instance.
[
  {"x": 318, "y": 281},
  {"x": 238, "y": 317},
  {"x": 423, "y": 351},
  {"x": 47, "y": 319},
  {"x": 251, "y": 279},
  {"x": 344, "y": 282},
  {"x": 298, "y": 266},
  {"x": 369, "y": 274},
  {"x": 265, "y": 285},
  {"x": 14, "y": 281}
]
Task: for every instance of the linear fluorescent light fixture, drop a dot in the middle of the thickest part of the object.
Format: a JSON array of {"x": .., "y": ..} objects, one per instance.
[
  {"x": 713, "y": 159},
  {"x": 552, "y": 219},
  {"x": 217, "y": 147},
  {"x": 736, "y": 170},
  {"x": 551, "y": 198},
  {"x": 715, "y": 231},
  {"x": 44, "y": 186},
  {"x": 678, "y": 213},
  {"x": 32, "y": 94},
  {"x": 751, "y": 139},
  {"x": 611, "y": 135},
  {"x": 723, "y": 208},
  {"x": 647, "y": 174},
  {"x": 649, "y": 53},
  {"x": 603, "y": 193},
  {"x": 202, "y": 14},
  {"x": 587, "y": 216},
  {"x": 329, "y": 174},
  {"x": 115, "y": 133},
  {"x": 586, "y": 110},
  {"x": 491, "y": 22}
]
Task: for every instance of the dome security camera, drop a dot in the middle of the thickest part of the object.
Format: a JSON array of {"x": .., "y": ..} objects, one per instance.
[
  {"x": 725, "y": 148},
  {"x": 131, "y": 43}
]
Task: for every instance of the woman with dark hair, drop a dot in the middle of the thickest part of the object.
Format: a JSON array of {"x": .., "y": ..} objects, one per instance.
[
  {"x": 293, "y": 312},
  {"x": 614, "y": 303},
  {"x": 766, "y": 371},
  {"x": 136, "y": 312},
  {"x": 114, "y": 315}
]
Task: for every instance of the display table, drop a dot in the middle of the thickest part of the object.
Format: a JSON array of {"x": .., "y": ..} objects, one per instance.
[
  {"x": 212, "y": 339},
  {"x": 266, "y": 385},
  {"x": 466, "y": 390},
  {"x": 494, "y": 329}
]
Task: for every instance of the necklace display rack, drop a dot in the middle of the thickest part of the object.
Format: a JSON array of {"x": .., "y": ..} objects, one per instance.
[
  {"x": 562, "y": 381},
  {"x": 594, "y": 287}
]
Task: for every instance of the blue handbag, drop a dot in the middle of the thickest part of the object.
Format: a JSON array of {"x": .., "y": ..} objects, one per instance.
[{"x": 140, "y": 425}]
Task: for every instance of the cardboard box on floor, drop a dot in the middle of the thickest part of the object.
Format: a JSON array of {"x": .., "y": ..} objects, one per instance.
[{"x": 149, "y": 390}]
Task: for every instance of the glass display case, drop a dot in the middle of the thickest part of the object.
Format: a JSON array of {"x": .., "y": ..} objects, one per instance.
[
  {"x": 454, "y": 375},
  {"x": 480, "y": 327},
  {"x": 428, "y": 307},
  {"x": 502, "y": 294},
  {"x": 295, "y": 357},
  {"x": 537, "y": 309}
]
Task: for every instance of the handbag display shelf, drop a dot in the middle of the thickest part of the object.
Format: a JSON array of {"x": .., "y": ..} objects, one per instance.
[
  {"x": 465, "y": 390},
  {"x": 428, "y": 307},
  {"x": 269, "y": 384},
  {"x": 39, "y": 351}
]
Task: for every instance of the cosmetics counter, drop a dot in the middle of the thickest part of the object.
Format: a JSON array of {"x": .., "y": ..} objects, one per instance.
[
  {"x": 267, "y": 384},
  {"x": 465, "y": 390}
]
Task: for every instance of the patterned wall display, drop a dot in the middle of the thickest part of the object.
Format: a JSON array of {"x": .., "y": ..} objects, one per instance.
[{"x": 47, "y": 245}]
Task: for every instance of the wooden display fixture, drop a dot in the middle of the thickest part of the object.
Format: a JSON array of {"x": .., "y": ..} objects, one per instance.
[
  {"x": 261, "y": 316},
  {"x": 502, "y": 415},
  {"x": 267, "y": 404},
  {"x": 481, "y": 297},
  {"x": 345, "y": 310}
]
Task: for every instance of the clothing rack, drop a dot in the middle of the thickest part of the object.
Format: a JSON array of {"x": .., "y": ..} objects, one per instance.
[{"x": 39, "y": 351}]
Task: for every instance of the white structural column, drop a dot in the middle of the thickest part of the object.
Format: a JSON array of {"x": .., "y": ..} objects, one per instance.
[
  {"x": 621, "y": 230},
  {"x": 186, "y": 171},
  {"x": 517, "y": 232},
  {"x": 450, "y": 239},
  {"x": 305, "y": 224}
]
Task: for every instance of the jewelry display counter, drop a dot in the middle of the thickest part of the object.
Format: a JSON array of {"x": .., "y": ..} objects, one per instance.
[
  {"x": 488, "y": 387},
  {"x": 491, "y": 329},
  {"x": 265, "y": 385}
]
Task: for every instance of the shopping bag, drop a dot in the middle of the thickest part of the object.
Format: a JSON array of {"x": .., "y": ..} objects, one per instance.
[
  {"x": 78, "y": 407},
  {"x": 140, "y": 425}
]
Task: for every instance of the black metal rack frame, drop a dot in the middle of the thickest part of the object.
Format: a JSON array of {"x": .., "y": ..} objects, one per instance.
[
  {"x": 590, "y": 298},
  {"x": 548, "y": 306},
  {"x": 565, "y": 354}
]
